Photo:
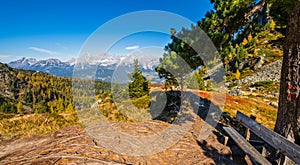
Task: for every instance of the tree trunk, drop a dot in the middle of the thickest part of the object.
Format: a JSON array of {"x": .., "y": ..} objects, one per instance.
[{"x": 288, "y": 116}]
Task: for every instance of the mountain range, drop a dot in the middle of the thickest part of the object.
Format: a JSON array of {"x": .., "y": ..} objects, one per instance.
[{"x": 106, "y": 67}]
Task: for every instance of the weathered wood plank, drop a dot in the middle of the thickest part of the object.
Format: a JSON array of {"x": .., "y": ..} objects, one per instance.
[
  {"x": 246, "y": 147},
  {"x": 277, "y": 141}
]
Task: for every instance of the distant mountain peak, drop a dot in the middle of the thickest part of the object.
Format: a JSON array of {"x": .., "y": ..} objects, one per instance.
[
  {"x": 106, "y": 65},
  {"x": 52, "y": 66},
  {"x": 25, "y": 61}
]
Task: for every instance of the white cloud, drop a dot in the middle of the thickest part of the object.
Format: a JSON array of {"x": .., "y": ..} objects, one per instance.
[
  {"x": 132, "y": 47},
  {"x": 5, "y": 58},
  {"x": 43, "y": 50}
]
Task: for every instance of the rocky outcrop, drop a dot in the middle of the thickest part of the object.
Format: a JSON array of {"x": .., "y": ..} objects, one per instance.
[
  {"x": 270, "y": 72},
  {"x": 74, "y": 145}
]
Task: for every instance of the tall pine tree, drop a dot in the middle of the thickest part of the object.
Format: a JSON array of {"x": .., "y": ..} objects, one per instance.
[{"x": 139, "y": 85}]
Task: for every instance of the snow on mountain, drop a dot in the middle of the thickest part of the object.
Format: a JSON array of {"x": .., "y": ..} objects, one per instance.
[
  {"x": 106, "y": 65},
  {"x": 23, "y": 63},
  {"x": 146, "y": 62},
  {"x": 52, "y": 66}
]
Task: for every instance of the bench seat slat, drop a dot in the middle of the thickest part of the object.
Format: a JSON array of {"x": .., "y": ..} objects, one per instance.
[{"x": 246, "y": 146}]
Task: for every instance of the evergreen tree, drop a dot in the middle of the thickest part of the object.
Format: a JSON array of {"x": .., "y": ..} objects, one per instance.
[
  {"x": 139, "y": 85},
  {"x": 195, "y": 80},
  {"x": 70, "y": 108},
  {"x": 234, "y": 26},
  {"x": 180, "y": 58}
]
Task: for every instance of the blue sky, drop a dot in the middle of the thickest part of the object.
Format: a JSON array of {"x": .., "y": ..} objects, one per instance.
[{"x": 58, "y": 28}]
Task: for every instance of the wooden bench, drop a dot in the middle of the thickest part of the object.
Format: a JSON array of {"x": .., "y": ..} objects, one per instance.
[
  {"x": 254, "y": 155},
  {"x": 277, "y": 141}
]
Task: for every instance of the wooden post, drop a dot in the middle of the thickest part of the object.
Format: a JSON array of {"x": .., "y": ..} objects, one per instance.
[
  {"x": 264, "y": 151},
  {"x": 226, "y": 140},
  {"x": 247, "y": 132}
]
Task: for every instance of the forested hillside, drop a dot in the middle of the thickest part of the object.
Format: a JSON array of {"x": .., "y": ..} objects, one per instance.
[{"x": 38, "y": 92}]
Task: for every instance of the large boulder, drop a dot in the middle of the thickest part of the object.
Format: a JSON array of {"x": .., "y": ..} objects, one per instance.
[{"x": 73, "y": 145}]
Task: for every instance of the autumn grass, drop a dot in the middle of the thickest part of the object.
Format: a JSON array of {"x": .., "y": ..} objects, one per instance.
[
  {"x": 132, "y": 110},
  {"x": 265, "y": 113},
  {"x": 35, "y": 124},
  {"x": 14, "y": 126}
]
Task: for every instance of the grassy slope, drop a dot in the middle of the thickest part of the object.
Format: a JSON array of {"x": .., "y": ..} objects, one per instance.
[
  {"x": 265, "y": 113},
  {"x": 12, "y": 125}
]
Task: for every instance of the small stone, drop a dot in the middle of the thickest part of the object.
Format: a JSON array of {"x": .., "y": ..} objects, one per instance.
[
  {"x": 274, "y": 104},
  {"x": 276, "y": 95}
]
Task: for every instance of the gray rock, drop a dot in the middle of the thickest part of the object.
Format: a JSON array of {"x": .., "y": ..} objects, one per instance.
[
  {"x": 236, "y": 92},
  {"x": 244, "y": 64},
  {"x": 252, "y": 89},
  {"x": 259, "y": 62},
  {"x": 269, "y": 96},
  {"x": 274, "y": 104},
  {"x": 270, "y": 72},
  {"x": 265, "y": 100}
]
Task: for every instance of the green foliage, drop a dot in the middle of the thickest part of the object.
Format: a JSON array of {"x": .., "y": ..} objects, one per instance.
[
  {"x": 196, "y": 81},
  {"x": 142, "y": 102},
  {"x": 181, "y": 58},
  {"x": 245, "y": 27},
  {"x": 240, "y": 30},
  {"x": 139, "y": 85},
  {"x": 8, "y": 107},
  {"x": 264, "y": 84},
  {"x": 40, "y": 107},
  {"x": 267, "y": 86},
  {"x": 224, "y": 22}
]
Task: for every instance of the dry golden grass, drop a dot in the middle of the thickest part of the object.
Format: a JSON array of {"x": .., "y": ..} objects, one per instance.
[
  {"x": 34, "y": 124},
  {"x": 265, "y": 113}
]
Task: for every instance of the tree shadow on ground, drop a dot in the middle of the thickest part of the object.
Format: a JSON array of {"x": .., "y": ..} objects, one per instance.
[
  {"x": 218, "y": 156},
  {"x": 207, "y": 111}
]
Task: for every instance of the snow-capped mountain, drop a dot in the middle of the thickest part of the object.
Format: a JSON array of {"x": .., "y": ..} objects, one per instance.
[
  {"x": 106, "y": 66},
  {"x": 23, "y": 63},
  {"x": 52, "y": 66},
  {"x": 146, "y": 62}
]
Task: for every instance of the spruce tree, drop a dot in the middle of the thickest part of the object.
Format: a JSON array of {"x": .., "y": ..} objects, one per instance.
[{"x": 139, "y": 85}]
